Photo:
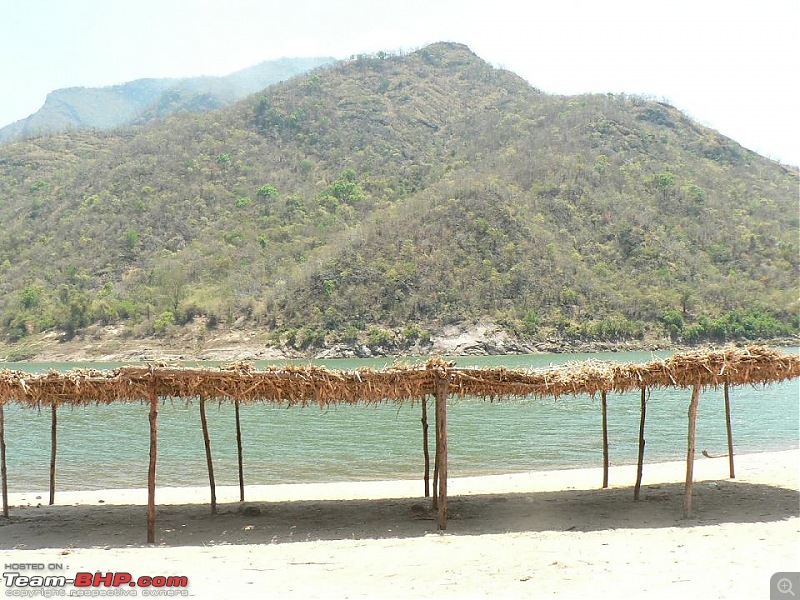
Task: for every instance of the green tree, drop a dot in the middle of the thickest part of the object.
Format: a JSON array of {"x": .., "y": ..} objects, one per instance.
[
  {"x": 31, "y": 296},
  {"x": 345, "y": 190},
  {"x": 329, "y": 287},
  {"x": 530, "y": 322},
  {"x": 267, "y": 191},
  {"x": 164, "y": 322},
  {"x": 130, "y": 239},
  {"x": 663, "y": 182},
  {"x": 673, "y": 324}
]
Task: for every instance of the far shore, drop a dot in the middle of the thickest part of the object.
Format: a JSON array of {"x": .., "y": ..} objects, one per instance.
[
  {"x": 482, "y": 338},
  {"x": 537, "y": 534}
]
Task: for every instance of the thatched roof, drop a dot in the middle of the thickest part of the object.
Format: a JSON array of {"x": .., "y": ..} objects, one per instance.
[
  {"x": 319, "y": 385},
  {"x": 734, "y": 366}
]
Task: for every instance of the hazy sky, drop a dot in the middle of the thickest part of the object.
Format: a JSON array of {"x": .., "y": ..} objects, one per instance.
[{"x": 730, "y": 64}]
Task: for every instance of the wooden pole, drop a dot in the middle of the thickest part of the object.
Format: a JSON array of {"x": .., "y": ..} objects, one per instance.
[
  {"x": 730, "y": 434},
  {"x": 151, "y": 469},
  {"x": 239, "y": 450},
  {"x": 687, "y": 494},
  {"x": 209, "y": 462},
  {"x": 435, "y": 496},
  {"x": 605, "y": 438},
  {"x": 53, "y": 424},
  {"x": 425, "y": 450},
  {"x": 442, "y": 385},
  {"x": 3, "y": 470},
  {"x": 640, "y": 462}
]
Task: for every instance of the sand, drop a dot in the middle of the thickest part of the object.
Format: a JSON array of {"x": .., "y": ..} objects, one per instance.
[{"x": 551, "y": 534}]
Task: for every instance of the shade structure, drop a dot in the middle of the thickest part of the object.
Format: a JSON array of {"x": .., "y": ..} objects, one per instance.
[
  {"x": 437, "y": 378},
  {"x": 304, "y": 385}
]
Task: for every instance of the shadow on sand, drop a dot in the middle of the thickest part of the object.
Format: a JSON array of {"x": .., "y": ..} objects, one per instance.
[{"x": 263, "y": 522}]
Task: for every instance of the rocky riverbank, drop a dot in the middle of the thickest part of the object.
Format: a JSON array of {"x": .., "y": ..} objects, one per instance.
[{"x": 482, "y": 337}]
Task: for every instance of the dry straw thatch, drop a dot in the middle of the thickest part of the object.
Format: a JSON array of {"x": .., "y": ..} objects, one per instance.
[
  {"x": 293, "y": 385},
  {"x": 733, "y": 366},
  {"x": 303, "y": 385}
]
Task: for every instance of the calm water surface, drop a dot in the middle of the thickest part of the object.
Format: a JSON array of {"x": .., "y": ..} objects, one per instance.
[{"x": 107, "y": 446}]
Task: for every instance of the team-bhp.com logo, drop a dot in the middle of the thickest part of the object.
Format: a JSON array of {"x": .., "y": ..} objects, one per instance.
[{"x": 112, "y": 583}]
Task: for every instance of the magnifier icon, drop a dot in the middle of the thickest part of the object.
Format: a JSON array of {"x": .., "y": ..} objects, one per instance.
[{"x": 785, "y": 586}]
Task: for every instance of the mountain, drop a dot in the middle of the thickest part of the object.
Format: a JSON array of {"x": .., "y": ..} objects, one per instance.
[
  {"x": 142, "y": 100},
  {"x": 385, "y": 198}
]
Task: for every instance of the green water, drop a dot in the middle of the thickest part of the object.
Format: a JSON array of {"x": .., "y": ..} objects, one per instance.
[{"x": 107, "y": 446}]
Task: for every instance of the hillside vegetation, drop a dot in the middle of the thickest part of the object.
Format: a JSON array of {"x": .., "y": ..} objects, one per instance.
[{"x": 387, "y": 196}]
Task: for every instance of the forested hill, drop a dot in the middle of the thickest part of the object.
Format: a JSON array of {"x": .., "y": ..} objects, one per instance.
[
  {"x": 142, "y": 100},
  {"x": 388, "y": 196}
]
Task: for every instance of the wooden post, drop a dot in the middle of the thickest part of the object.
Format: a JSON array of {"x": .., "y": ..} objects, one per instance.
[
  {"x": 442, "y": 385},
  {"x": 435, "y": 496},
  {"x": 209, "y": 461},
  {"x": 640, "y": 462},
  {"x": 687, "y": 494},
  {"x": 53, "y": 424},
  {"x": 3, "y": 471},
  {"x": 730, "y": 434},
  {"x": 425, "y": 451},
  {"x": 151, "y": 469},
  {"x": 605, "y": 438},
  {"x": 239, "y": 450}
]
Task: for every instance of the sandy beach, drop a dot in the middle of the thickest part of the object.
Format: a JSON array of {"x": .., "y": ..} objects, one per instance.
[{"x": 552, "y": 534}]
